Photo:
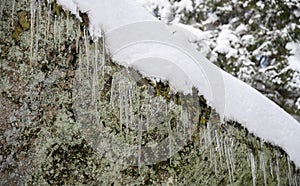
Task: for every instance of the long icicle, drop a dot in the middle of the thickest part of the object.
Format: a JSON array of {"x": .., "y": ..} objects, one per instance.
[
  {"x": 95, "y": 70},
  {"x": 263, "y": 166},
  {"x": 103, "y": 54},
  {"x": 86, "y": 49},
  {"x": 13, "y": 12},
  {"x": 126, "y": 106},
  {"x": 277, "y": 169},
  {"x": 140, "y": 142},
  {"x": 289, "y": 169},
  {"x": 2, "y": 5},
  {"x": 47, "y": 31},
  {"x": 32, "y": 17},
  {"x": 253, "y": 168},
  {"x": 37, "y": 34},
  {"x": 54, "y": 29},
  {"x": 121, "y": 104}
]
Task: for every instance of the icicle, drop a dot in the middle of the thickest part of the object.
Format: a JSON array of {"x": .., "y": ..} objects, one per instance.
[
  {"x": 96, "y": 75},
  {"x": 12, "y": 12},
  {"x": 296, "y": 181},
  {"x": 230, "y": 156},
  {"x": 253, "y": 168},
  {"x": 228, "y": 161},
  {"x": 204, "y": 138},
  {"x": 112, "y": 92},
  {"x": 48, "y": 20},
  {"x": 37, "y": 28},
  {"x": 95, "y": 71},
  {"x": 140, "y": 141},
  {"x": 178, "y": 122},
  {"x": 290, "y": 172},
  {"x": 121, "y": 105},
  {"x": 32, "y": 17},
  {"x": 59, "y": 28},
  {"x": 86, "y": 43},
  {"x": 131, "y": 106},
  {"x": 55, "y": 29},
  {"x": 138, "y": 102},
  {"x": 212, "y": 149},
  {"x": 222, "y": 140},
  {"x": 2, "y": 5},
  {"x": 170, "y": 141},
  {"x": 184, "y": 120},
  {"x": 149, "y": 111},
  {"x": 126, "y": 110},
  {"x": 67, "y": 24},
  {"x": 277, "y": 170},
  {"x": 217, "y": 140},
  {"x": 216, "y": 166},
  {"x": 103, "y": 52},
  {"x": 271, "y": 169},
  {"x": 209, "y": 140},
  {"x": 219, "y": 148},
  {"x": 80, "y": 65},
  {"x": 263, "y": 166},
  {"x": 190, "y": 127},
  {"x": 78, "y": 38},
  {"x": 186, "y": 123}
]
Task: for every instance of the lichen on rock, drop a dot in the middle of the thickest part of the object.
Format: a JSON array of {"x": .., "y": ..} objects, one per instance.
[{"x": 71, "y": 116}]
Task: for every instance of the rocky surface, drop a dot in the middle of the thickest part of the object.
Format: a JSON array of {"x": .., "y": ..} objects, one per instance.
[{"x": 70, "y": 116}]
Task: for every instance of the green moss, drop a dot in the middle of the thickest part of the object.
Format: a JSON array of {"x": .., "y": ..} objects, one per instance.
[
  {"x": 56, "y": 9},
  {"x": 23, "y": 20},
  {"x": 22, "y": 24}
]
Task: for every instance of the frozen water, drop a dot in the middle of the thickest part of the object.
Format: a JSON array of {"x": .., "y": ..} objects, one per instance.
[{"x": 133, "y": 41}]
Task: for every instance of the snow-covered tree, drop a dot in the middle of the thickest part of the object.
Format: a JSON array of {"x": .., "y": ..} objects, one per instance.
[{"x": 249, "y": 39}]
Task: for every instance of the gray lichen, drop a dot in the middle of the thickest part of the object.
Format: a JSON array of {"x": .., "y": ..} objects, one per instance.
[{"x": 48, "y": 80}]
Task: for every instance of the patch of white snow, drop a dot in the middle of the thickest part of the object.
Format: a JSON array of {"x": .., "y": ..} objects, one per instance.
[{"x": 294, "y": 59}]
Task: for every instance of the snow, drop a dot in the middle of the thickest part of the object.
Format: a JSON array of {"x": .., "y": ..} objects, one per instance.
[
  {"x": 185, "y": 4},
  {"x": 158, "y": 7},
  {"x": 211, "y": 18},
  {"x": 136, "y": 39},
  {"x": 195, "y": 36},
  {"x": 70, "y": 5},
  {"x": 260, "y": 4},
  {"x": 247, "y": 39},
  {"x": 294, "y": 63},
  {"x": 241, "y": 29},
  {"x": 191, "y": 33},
  {"x": 298, "y": 103},
  {"x": 297, "y": 13},
  {"x": 225, "y": 41},
  {"x": 294, "y": 59}
]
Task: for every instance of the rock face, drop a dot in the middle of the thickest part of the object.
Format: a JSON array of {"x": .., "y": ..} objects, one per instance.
[{"x": 70, "y": 116}]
